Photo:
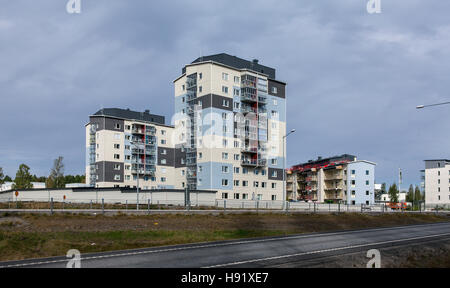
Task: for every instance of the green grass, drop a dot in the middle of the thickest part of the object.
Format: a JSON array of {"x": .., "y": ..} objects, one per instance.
[{"x": 24, "y": 245}]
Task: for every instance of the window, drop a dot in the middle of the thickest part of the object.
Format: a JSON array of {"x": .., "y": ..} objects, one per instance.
[
  {"x": 224, "y": 116},
  {"x": 353, "y": 182},
  {"x": 263, "y": 184},
  {"x": 183, "y": 100},
  {"x": 200, "y": 75},
  {"x": 200, "y": 155},
  {"x": 236, "y": 79},
  {"x": 236, "y": 170},
  {"x": 224, "y": 182},
  {"x": 256, "y": 171},
  {"x": 117, "y": 177},
  {"x": 163, "y": 161},
  {"x": 353, "y": 192},
  {"x": 225, "y": 76},
  {"x": 116, "y": 156},
  {"x": 235, "y": 92},
  {"x": 236, "y": 182},
  {"x": 367, "y": 182},
  {"x": 274, "y": 197},
  {"x": 224, "y": 156},
  {"x": 274, "y": 90},
  {"x": 182, "y": 87},
  {"x": 225, "y": 89},
  {"x": 367, "y": 172},
  {"x": 163, "y": 179},
  {"x": 245, "y": 183},
  {"x": 274, "y": 185},
  {"x": 163, "y": 132},
  {"x": 273, "y": 161},
  {"x": 200, "y": 89},
  {"x": 163, "y": 152},
  {"x": 255, "y": 184},
  {"x": 225, "y": 103},
  {"x": 236, "y": 157},
  {"x": 224, "y": 129},
  {"x": 367, "y": 202},
  {"x": 245, "y": 196},
  {"x": 116, "y": 166},
  {"x": 275, "y": 102},
  {"x": 367, "y": 193},
  {"x": 116, "y": 146},
  {"x": 274, "y": 114},
  {"x": 224, "y": 169},
  {"x": 244, "y": 170},
  {"x": 353, "y": 172},
  {"x": 274, "y": 173},
  {"x": 236, "y": 105},
  {"x": 236, "y": 195},
  {"x": 224, "y": 195},
  {"x": 118, "y": 126},
  {"x": 163, "y": 141}
]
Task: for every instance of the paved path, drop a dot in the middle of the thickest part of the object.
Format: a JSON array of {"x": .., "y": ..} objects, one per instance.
[{"x": 261, "y": 252}]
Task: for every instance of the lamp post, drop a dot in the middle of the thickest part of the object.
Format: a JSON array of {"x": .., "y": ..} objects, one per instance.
[
  {"x": 284, "y": 168},
  {"x": 437, "y": 104}
]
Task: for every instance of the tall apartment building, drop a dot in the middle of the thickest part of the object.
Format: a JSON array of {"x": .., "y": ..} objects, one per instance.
[
  {"x": 231, "y": 117},
  {"x": 437, "y": 182},
  {"x": 335, "y": 179},
  {"x": 122, "y": 145}
]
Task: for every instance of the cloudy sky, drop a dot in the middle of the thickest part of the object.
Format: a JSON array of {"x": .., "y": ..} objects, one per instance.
[{"x": 354, "y": 78}]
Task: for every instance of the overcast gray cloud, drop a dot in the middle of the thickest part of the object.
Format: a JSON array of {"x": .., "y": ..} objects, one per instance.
[{"x": 354, "y": 78}]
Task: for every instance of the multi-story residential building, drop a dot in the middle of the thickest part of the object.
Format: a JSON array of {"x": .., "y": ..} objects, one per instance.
[
  {"x": 122, "y": 145},
  {"x": 336, "y": 179},
  {"x": 230, "y": 117},
  {"x": 437, "y": 182}
]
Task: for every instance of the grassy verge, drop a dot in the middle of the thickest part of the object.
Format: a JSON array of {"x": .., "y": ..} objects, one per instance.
[{"x": 33, "y": 236}]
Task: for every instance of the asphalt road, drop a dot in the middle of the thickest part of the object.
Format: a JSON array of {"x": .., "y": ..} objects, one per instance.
[{"x": 251, "y": 253}]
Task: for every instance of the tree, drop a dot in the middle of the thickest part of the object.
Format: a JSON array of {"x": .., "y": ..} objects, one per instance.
[
  {"x": 393, "y": 193},
  {"x": 2, "y": 176},
  {"x": 410, "y": 195},
  {"x": 7, "y": 179},
  {"x": 56, "y": 177},
  {"x": 23, "y": 178},
  {"x": 418, "y": 194}
]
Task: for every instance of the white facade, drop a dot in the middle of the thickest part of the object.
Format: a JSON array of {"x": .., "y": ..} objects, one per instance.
[{"x": 437, "y": 182}]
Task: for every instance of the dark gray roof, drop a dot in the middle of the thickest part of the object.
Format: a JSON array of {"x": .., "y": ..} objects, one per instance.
[
  {"x": 128, "y": 114},
  {"x": 238, "y": 63}
]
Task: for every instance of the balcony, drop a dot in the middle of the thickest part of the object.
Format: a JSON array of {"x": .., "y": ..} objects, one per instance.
[
  {"x": 191, "y": 82},
  {"x": 249, "y": 97},
  {"x": 137, "y": 131},
  {"x": 248, "y": 83},
  {"x": 249, "y": 162},
  {"x": 248, "y": 109},
  {"x": 311, "y": 179},
  {"x": 248, "y": 149}
]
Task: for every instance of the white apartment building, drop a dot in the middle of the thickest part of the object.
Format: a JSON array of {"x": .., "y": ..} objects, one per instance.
[{"x": 437, "y": 182}]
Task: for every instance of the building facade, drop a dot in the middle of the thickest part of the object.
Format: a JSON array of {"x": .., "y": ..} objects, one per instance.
[
  {"x": 336, "y": 179},
  {"x": 122, "y": 145},
  {"x": 230, "y": 118},
  {"x": 437, "y": 182}
]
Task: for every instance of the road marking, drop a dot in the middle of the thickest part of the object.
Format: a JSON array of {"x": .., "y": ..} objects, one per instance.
[
  {"x": 325, "y": 250},
  {"x": 218, "y": 245}
]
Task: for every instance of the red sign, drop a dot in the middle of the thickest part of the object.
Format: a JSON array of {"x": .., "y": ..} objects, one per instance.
[
  {"x": 64, "y": 197},
  {"x": 17, "y": 193}
]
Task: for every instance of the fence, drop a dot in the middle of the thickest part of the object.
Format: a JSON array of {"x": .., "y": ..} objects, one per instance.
[{"x": 148, "y": 203}]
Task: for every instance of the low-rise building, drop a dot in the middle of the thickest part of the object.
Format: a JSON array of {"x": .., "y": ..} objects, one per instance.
[{"x": 335, "y": 179}]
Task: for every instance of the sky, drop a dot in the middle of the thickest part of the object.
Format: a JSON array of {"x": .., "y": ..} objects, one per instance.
[{"x": 353, "y": 78}]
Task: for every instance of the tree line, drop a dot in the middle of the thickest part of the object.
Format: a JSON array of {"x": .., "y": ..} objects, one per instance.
[
  {"x": 413, "y": 195},
  {"x": 56, "y": 178}
]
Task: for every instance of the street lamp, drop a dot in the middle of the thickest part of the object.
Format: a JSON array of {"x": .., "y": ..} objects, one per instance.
[
  {"x": 437, "y": 104},
  {"x": 284, "y": 169}
]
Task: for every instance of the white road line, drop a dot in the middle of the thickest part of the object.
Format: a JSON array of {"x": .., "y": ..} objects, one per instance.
[
  {"x": 215, "y": 245},
  {"x": 325, "y": 250}
]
